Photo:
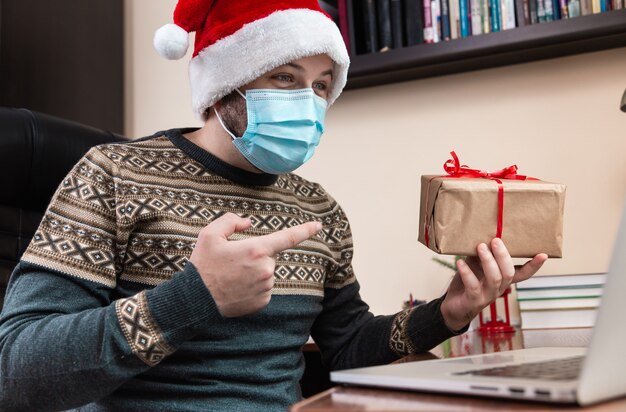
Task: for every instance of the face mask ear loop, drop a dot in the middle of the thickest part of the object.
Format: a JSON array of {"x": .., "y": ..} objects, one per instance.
[
  {"x": 219, "y": 118},
  {"x": 241, "y": 94}
]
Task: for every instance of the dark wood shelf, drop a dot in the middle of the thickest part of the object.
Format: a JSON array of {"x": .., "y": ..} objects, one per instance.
[{"x": 523, "y": 44}]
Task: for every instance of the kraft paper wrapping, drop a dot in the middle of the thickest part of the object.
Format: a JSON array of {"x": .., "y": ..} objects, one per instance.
[{"x": 462, "y": 212}]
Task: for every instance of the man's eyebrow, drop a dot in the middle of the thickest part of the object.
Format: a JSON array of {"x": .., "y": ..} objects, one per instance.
[{"x": 300, "y": 68}]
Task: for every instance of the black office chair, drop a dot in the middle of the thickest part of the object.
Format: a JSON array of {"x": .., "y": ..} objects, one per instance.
[{"x": 36, "y": 152}]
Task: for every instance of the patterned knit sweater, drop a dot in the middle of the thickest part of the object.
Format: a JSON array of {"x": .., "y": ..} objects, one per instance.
[{"x": 103, "y": 313}]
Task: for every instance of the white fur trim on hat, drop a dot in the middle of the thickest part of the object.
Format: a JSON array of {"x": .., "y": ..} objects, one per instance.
[
  {"x": 261, "y": 46},
  {"x": 171, "y": 41}
]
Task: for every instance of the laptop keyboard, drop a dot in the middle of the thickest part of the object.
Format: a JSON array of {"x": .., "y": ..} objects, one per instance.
[{"x": 557, "y": 370}]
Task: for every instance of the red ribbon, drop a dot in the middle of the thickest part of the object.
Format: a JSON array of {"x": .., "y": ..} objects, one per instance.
[{"x": 455, "y": 170}]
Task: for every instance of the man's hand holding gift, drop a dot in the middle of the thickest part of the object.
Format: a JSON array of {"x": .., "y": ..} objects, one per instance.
[{"x": 481, "y": 279}]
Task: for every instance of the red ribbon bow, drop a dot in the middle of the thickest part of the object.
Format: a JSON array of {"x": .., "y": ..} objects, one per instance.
[{"x": 455, "y": 170}]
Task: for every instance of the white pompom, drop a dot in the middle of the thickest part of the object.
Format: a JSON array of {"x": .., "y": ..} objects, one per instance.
[{"x": 171, "y": 41}]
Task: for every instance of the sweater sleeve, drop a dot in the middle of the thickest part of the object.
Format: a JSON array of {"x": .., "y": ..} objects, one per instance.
[
  {"x": 349, "y": 335},
  {"x": 66, "y": 339}
]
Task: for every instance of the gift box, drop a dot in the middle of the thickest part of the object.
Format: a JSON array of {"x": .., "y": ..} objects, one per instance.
[{"x": 467, "y": 206}]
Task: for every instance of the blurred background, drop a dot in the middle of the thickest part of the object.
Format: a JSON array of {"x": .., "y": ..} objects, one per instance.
[{"x": 557, "y": 119}]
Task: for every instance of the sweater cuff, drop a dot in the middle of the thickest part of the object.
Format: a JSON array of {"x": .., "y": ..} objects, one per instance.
[
  {"x": 182, "y": 306},
  {"x": 427, "y": 328}
]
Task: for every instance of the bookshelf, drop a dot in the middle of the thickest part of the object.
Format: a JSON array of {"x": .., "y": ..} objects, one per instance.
[{"x": 522, "y": 44}]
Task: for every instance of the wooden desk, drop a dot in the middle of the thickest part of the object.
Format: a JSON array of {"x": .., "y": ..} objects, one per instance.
[{"x": 342, "y": 398}]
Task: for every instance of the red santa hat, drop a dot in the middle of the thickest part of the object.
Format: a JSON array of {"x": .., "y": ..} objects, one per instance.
[{"x": 238, "y": 41}]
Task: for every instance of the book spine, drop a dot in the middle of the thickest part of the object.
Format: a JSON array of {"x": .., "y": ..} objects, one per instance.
[
  {"x": 494, "y": 7},
  {"x": 385, "y": 41},
  {"x": 595, "y": 6},
  {"x": 344, "y": 26},
  {"x": 476, "y": 18},
  {"x": 455, "y": 23},
  {"x": 603, "y": 6},
  {"x": 541, "y": 11},
  {"x": 396, "y": 23},
  {"x": 585, "y": 7},
  {"x": 429, "y": 36},
  {"x": 445, "y": 20},
  {"x": 484, "y": 12},
  {"x": 414, "y": 22},
  {"x": 556, "y": 10},
  {"x": 563, "y": 4},
  {"x": 549, "y": 10},
  {"x": 371, "y": 30},
  {"x": 509, "y": 23},
  {"x": 521, "y": 13},
  {"x": 464, "y": 17},
  {"x": 532, "y": 9},
  {"x": 436, "y": 19},
  {"x": 573, "y": 8}
]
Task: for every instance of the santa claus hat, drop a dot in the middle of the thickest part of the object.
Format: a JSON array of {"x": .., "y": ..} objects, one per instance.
[{"x": 238, "y": 41}]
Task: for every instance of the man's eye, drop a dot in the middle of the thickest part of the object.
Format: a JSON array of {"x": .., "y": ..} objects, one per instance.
[{"x": 283, "y": 77}]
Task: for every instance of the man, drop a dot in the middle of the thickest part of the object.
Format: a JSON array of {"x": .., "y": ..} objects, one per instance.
[{"x": 184, "y": 271}]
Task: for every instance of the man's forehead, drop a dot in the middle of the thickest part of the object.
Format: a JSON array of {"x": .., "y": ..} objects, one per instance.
[{"x": 328, "y": 71}]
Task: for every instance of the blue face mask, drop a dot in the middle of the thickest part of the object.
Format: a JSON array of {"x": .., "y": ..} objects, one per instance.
[{"x": 284, "y": 127}]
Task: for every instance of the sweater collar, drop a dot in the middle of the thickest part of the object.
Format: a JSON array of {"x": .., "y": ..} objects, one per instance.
[{"x": 216, "y": 165}]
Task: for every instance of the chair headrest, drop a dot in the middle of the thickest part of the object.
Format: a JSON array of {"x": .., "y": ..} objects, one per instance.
[{"x": 37, "y": 151}]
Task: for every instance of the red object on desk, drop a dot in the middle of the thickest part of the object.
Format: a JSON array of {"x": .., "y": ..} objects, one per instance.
[{"x": 494, "y": 325}]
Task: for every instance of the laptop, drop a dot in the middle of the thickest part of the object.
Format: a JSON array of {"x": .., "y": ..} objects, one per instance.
[{"x": 553, "y": 374}]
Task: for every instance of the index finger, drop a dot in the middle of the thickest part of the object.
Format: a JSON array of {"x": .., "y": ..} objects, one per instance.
[{"x": 287, "y": 238}]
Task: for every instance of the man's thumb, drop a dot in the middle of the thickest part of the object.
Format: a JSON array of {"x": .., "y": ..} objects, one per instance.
[{"x": 227, "y": 224}]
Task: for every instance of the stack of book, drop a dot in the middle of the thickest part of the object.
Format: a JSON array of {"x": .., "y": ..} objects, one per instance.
[
  {"x": 380, "y": 25},
  {"x": 560, "y": 301}
]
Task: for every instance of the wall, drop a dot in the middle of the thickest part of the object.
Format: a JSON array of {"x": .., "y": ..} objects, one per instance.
[{"x": 556, "y": 119}]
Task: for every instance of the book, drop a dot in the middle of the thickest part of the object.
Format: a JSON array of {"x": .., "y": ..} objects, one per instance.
[
  {"x": 383, "y": 12},
  {"x": 464, "y": 14},
  {"x": 508, "y": 21},
  {"x": 414, "y": 22},
  {"x": 445, "y": 20},
  {"x": 435, "y": 13},
  {"x": 521, "y": 13},
  {"x": 541, "y": 11},
  {"x": 356, "y": 31},
  {"x": 564, "y": 9},
  {"x": 429, "y": 35},
  {"x": 573, "y": 8},
  {"x": 595, "y": 6},
  {"x": 549, "y": 10},
  {"x": 562, "y": 303},
  {"x": 494, "y": 8},
  {"x": 562, "y": 318},
  {"x": 532, "y": 10},
  {"x": 455, "y": 23},
  {"x": 476, "y": 17},
  {"x": 585, "y": 7},
  {"x": 484, "y": 11},
  {"x": 397, "y": 25},
  {"x": 556, "y": 293},
  {"x": 556, "y": 10},
  {"x": 370, "y": 25},
  {"x": 559, "y": 281},
  {"x": 344, "y": 25}
]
